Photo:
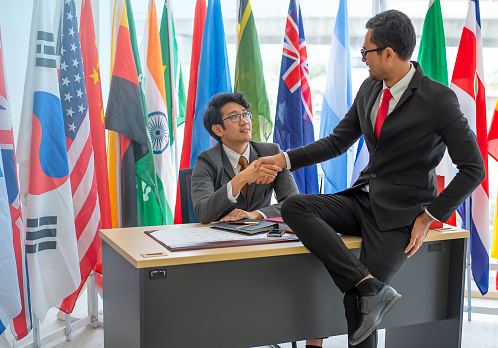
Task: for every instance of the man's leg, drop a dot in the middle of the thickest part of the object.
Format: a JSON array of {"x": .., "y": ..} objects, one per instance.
[{"x": 317, "y": 220}]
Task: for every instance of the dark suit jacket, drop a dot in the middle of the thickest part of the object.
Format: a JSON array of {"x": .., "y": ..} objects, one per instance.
[
  {"x": 212, "y": 172},
  {"x": 412, "y": 141}
]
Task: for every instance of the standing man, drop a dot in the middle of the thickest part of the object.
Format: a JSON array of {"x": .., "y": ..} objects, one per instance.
[
  {"x": 408, "y": 120},
  {"x": 222, "y": 175}
]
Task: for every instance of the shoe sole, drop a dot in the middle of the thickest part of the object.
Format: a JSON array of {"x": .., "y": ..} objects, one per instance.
[{"x": 377, "y": 322}]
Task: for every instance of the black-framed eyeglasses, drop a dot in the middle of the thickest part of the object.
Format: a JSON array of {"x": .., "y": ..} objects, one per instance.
[
  {"x": 236, "y": 117},
  {"x": 364, "y": 52}
]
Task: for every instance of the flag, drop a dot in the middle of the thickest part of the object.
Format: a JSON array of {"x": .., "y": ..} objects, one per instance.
[
  {"x": 46, "y": 196},
  {"x": 79, "y": 145},
  {"x": 93, "y": 87},
  {"x": 21, "y": 324},
  {"x": 10, "y": 301},
  {"x": 158, "y": 116},
  {"x": 468, "y": 84},
  {"x": 213, "y": 77},
  {"x": 493, "y": 151},
  {"x": 150, "y": 191},
  {"x": 199, "y": 18},
  {"x": 337, "y": 100},
  {"x": 10, "y": 287},
  {"x": 176, "y": 99},
  {"x": 294, "y": 118},
  {"x": 249, "y": 77},
  {"x": 124, "y": 115}
]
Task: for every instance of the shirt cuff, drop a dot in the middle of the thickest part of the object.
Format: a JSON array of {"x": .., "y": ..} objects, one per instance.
[
  {"x": 262, "y": 214},
  {"x": 427, "y": 212},
  {"x": 287, "y": 160},
  {"x": 229, "y": 193}
]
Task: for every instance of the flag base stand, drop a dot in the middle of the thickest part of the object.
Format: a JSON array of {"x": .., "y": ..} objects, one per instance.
[{"x": 71, "y": 324}]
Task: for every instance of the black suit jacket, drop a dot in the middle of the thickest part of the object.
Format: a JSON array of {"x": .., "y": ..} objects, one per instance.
[
  {"x": 412, "y": 141},
  {"x": 212, "y": 172}
]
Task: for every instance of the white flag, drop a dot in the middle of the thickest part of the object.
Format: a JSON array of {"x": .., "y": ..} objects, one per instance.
[{"x": 46, "y": 195}]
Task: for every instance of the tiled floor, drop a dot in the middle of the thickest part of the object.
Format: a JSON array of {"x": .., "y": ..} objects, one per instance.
[{"x": 481, "y": 332}]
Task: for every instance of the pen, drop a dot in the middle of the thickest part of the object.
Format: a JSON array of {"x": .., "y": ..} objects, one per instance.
[{"x": 243, "y": 222}]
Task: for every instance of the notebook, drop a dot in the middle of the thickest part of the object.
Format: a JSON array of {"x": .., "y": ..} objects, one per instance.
[{"x": 246, "y": 226}]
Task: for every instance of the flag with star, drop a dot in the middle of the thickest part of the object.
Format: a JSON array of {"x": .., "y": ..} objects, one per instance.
[
  {"x": 79, "y": 145},
  {"x": 93, "y": 87},
  {"x": 45, "y": 187}
]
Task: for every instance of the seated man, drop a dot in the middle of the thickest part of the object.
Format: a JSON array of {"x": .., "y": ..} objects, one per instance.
[
  {"x": 220, "y": 184},
  {"x": 221, "y": 175}
]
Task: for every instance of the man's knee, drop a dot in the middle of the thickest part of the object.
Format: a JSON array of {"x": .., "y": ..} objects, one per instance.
[{"x": 290, "y": 206}]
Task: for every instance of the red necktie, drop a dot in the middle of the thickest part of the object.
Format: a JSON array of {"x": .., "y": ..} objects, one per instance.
[
  {"x": 243, "y": 165},
  {"x": 382, "y": 113}
]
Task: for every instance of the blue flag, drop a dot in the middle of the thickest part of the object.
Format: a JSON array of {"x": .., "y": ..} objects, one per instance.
[
  {"x": 293, "y": 122},
  {"x": 337, "y": 100},
  {"x": 213, "y": 76}
]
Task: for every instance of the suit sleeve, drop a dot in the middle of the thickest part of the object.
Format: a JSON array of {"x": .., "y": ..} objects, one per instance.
[
  {"x": 338, "y": 142},
  {"x": 284, "y": 186},
  {"x": 208, "y": 203},
  {"x": 453, "y": 128}
]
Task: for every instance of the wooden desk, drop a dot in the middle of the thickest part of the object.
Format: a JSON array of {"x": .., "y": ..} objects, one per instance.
[{"x": 265, "y": 294}]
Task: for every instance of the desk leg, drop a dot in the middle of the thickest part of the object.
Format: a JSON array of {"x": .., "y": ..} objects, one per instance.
[{"x": 444, "y": 333}]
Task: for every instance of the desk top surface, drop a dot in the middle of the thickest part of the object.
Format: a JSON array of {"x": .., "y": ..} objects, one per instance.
[{"x": 136, "y": 247}]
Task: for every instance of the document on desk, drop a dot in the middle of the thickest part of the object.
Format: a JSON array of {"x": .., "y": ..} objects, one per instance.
[{"x": 204, "y": 237}]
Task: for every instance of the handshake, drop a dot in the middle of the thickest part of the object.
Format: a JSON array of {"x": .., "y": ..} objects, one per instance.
[{"x": 264, "y": 170}]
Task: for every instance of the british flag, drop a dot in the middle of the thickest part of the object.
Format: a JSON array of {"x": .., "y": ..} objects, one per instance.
[
  {"x": 294, "y": 119},
  {"x": 79, "y": 145}
]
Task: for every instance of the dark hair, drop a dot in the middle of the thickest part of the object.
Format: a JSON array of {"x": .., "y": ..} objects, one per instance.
[
  {"x": 393, "y": 29},
  {"x": 213, "y": 113}
]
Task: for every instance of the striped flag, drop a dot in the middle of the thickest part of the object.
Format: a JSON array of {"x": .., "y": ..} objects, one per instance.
[
  {"x": 21, "y": 324},
  {"x": 124, "y": 115},
  {"x": 337, "y": 100},
  {"x": 10, "y": 286},
  {"x": 213, "y": 78},
  {"x": 79, "y": 145},
  {"x": 249, "y": 77},
  {"x": 176, "y": 100},
  {"x": 493, "y": 151},
  {"x": 468, "y": 84},
  {"x": 294, "y": 119},
  {"x": 158, "y": 117},
  {"x": 199, "y": 18},
  {"x": 46, "y": 195}
]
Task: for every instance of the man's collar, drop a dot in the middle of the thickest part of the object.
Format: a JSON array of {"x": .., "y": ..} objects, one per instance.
[{"x": 233, "y": 156}]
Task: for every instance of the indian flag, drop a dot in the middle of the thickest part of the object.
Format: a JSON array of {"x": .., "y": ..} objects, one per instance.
[{"x": 155, "y": 98}]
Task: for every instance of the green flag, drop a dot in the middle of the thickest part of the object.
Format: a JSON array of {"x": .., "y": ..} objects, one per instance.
[
  {"x": 176, "y": 90},
  {"x": 151, "y": 199},
  {"x": 249, "y": 77},
  {"x": 432, "y": 51}
]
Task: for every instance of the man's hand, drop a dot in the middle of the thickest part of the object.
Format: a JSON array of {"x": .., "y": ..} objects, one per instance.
[
  {"x": 276, "y": 160},
  {"x": 239, "y": 214},
  {"x": 250, "y": 175},
  {"x": 419, "y": 232}
]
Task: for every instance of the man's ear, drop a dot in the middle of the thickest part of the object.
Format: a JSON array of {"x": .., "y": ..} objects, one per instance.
[
  {"x": 389, "y": 53},
  {"x": 217, "y": 129}
]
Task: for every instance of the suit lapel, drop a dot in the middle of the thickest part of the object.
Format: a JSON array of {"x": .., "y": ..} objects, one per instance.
[
  {"x": 226, "y": 164},
  {"x": 371, "y": 101}
]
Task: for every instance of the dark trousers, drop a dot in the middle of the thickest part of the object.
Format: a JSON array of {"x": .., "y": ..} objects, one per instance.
[{"x": 318, "y": 219}]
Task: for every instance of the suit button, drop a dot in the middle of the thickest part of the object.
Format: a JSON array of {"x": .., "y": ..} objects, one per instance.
[
  {"x": 373, "y": 176},
  {"x": 378, "y": 153}
]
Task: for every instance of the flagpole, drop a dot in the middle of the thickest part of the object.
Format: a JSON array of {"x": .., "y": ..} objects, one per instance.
[
  {"x": 173, "y": 89},
  {"x": 469, "y": 263}
]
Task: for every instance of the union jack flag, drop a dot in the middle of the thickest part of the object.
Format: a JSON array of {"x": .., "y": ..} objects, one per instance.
[
  {"x": 79, "y": 145},
  {"x": 293, "y": 122}
]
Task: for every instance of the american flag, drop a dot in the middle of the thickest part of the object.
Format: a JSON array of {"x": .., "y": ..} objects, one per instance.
[{"x": 79, "y": 145}]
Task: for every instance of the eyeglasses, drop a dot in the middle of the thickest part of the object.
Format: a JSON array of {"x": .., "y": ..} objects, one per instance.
[
  {"x": 236, "y": 117},
  {"x": 364, "y": 52}
]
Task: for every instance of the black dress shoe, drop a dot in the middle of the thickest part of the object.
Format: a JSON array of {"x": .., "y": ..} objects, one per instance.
[{"x": 372, "y": 310}]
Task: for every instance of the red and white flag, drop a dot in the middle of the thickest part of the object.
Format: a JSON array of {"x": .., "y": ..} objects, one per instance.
[
  {"x": 80, "y": 153},
  {"x": 468, "y": 84}
]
